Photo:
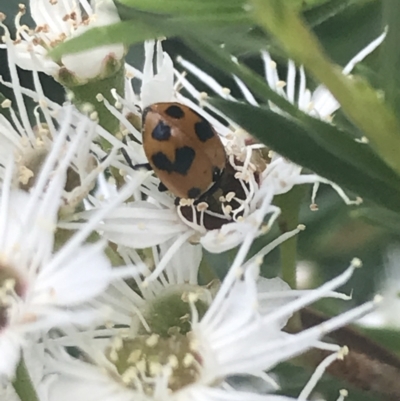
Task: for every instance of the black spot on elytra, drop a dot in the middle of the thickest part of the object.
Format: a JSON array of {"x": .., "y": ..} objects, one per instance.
[
  {"x": 194, "y": 193},
  {"x": 175, "y": 111},
  {"x": 162, "y": 132},
  {"x": 203, "y": 130},
  {"x": 161, "y": 161},
  {"x": 183, "y": 161}
]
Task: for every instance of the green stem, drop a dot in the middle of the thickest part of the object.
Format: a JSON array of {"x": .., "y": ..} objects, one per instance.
[
  {"x": 22, "y": 383},
  {"x": 85, "y": 94},
  {"x": 289, "y": 220},
  {"x": 288, "y": 252}
]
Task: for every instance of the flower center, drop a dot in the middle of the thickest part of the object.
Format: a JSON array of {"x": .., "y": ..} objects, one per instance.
[
  {"x": 160, "y": 355},
  {"x": 151, "y": 364},
  {"x": 170, "y": 313},
  {"x": 29, "y": 167},
  {"x": 11, "y": 287}
]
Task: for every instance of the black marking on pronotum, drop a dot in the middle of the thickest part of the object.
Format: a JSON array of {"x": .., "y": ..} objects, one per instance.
[
  {"x": 183, "y": 160},
  {"x": 203, "y": 130},
  {"x": 194, "y": 193},
  {"x": 162, "y": 132},
  {"x": 175, "y": 111}
]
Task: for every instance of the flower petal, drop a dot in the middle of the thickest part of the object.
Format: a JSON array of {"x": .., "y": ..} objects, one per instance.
[
  {"x": 141, "y": 225},
  {"x": 84, "y": 276}
]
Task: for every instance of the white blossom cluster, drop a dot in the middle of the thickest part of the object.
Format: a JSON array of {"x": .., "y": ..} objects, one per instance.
[{"x": 99, "y": 287}]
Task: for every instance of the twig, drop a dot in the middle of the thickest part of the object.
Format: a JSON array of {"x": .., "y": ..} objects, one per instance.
[{"x": 368, "y": 366}]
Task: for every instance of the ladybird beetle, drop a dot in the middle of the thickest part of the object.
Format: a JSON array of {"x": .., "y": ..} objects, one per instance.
[{"x": 183, "y": 149}]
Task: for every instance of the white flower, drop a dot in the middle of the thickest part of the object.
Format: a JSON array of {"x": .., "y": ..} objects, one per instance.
[
  {"x": 240, "y": 333},
  {"x": 57, "y": 21},
  {"x": 31, "y": 144},
  {"x": 39, "y": 289}
]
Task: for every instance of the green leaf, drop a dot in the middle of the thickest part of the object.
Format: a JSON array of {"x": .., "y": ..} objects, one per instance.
[
  {"x": 389, "y": 338},
  {"x": 390, "y": 55},
  {"x": 185, "y": 7},
  {"x": 380, "y": 217},
  {"x": 125, "y": 32},
  {"x": 361, "y": 22},
  {"x": 322, "y": 12},
  {"x": 342, "y": 145},
  {"x": 293, "y": 141},
  {"x": 358, "y": 100},
  {"x": 213, "y": 21},
  {"x": 222, "y": 60},
  {"x": 23, "y": 384},
  {"x": 138, "y": 26}
]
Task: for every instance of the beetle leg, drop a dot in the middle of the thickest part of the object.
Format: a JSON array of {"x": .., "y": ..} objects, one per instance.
[
  {"x": 144, "y": 166},
  {"x": 139, "y": 166},
  {"x": 216, "y": 174},
  {"x": 162, "y": 187},
  {"x": 130, "y": 137}
]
